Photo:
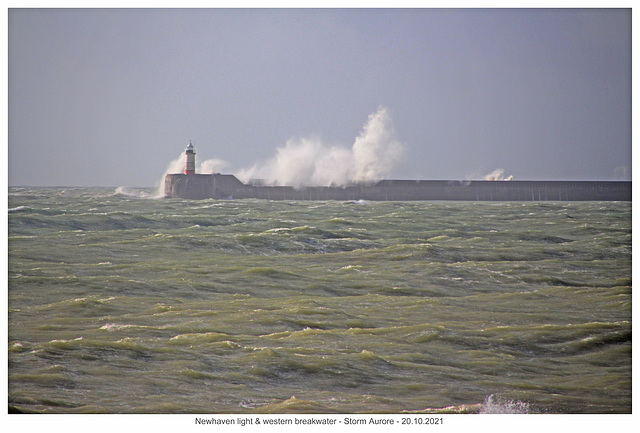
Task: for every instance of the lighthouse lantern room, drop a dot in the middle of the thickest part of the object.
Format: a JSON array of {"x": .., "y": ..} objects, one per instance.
[{"x": 190, "y": 166}]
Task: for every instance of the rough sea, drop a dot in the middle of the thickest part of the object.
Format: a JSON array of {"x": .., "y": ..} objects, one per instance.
[{"x": 120, "y": 302}]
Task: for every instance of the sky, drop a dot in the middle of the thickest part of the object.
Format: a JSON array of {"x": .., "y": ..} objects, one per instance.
[{"x": 111, "y": 97}]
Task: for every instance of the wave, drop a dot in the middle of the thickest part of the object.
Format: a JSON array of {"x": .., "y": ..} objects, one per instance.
[
  {"x": 18, "y": 209},
  {"x": 491, "y": 405},
  {"x": 125, "y": 191},
  {"x": 416, "y": 306}
]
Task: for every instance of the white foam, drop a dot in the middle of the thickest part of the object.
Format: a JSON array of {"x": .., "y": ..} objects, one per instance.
[{"x": 493, "y": 405}]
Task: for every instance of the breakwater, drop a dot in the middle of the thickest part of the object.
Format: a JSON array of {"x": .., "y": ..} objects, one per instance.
[{"x": 201, "y": 186}]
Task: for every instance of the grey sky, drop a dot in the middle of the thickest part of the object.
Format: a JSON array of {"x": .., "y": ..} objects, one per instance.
[{"x": 110, "y": 97}]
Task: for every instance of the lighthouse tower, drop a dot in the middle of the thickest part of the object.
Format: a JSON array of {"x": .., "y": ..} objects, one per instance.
[{"x": 190, "y": 167}]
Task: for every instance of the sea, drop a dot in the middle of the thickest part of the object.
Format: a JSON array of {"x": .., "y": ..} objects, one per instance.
[{"x": 121, "y": 302}]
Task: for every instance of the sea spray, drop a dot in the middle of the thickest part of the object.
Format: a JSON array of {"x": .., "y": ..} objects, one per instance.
[
  {"x": 309, "y": 161},
  {"x": 497, "y": 174},
  {"x": 212, "y": 166},
  {"x": 126, "y": 191},
  {"x": 305, "y": 161},
  {"x": 175, "y": 166},
  {"x": 377, "y": 149}
]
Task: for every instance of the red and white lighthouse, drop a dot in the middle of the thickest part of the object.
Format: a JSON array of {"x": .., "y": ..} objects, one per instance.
[{"x": 190, "y": 166}]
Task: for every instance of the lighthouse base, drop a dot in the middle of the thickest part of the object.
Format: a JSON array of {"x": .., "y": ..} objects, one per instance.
[{"x": 200, "y": 186}]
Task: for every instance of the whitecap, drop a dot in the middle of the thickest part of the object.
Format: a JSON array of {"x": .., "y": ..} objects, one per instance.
[
  {"x": 18, "y": 209},
  {"x": 493, "y": 405}
]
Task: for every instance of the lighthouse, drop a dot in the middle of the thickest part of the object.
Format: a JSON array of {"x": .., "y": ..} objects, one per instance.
[{"x": 190, "y": 166}]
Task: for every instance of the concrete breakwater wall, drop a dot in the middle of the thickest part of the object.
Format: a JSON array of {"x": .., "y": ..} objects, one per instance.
[{"x": 200, "y": 186}]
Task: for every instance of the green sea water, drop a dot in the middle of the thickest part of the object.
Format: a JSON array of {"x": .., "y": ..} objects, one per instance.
[{"x": 120, "y": 302}]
